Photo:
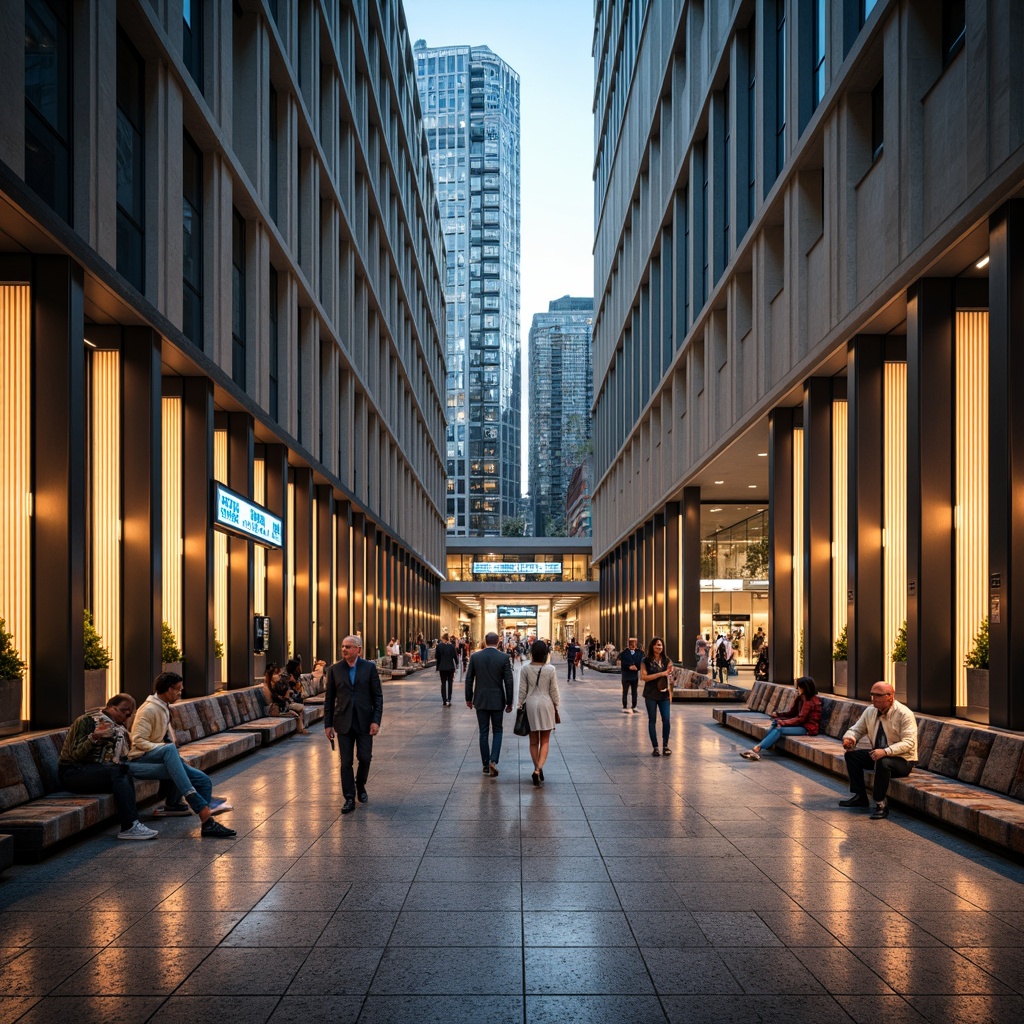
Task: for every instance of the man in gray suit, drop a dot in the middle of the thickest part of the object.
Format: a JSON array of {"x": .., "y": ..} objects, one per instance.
[{"x": 489, "y": 691}]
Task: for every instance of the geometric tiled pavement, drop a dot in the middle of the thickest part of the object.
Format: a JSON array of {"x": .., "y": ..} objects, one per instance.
[{"x": 686, "y": 889}]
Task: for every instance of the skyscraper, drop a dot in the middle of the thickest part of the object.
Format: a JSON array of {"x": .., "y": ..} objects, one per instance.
[
  {"x": 561, "y": 389},
  {"x": 470, "y": 101}
]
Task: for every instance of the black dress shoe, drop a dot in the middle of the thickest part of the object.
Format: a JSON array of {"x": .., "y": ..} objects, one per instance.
[
  {"x": 857, "y": 800},
  {"x": 348, "y": 807},
  {"x": 881, "y": 810},
  {"x": 361, "y": 793}
]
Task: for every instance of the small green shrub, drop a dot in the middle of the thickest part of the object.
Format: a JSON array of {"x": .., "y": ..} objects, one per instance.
[
  {"x": 169, "y": 649},
  {"x": 11, "y": 665},
  {"x": 977, "y": 656},
  {"x": 840, "y": 650},
  {"x": 218, "y": 647},
  {"x": 899, "y": 647},
  {"x": 95, "y": 655}
]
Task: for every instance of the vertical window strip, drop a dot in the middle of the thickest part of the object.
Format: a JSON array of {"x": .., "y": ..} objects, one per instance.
[
  {"x": 894, "y": 510},
  {"x": 220, "y": 550},
  {"x": 798, "y": 551},
  {"x": 173, "y": 513},
  {"x": 259, "y": 566},
  {"x": 840, "y": 499}
]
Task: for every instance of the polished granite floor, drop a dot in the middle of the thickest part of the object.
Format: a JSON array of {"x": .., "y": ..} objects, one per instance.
[{"x": 691, "y": 888}]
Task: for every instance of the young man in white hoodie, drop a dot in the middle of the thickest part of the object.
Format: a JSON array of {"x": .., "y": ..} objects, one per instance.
[{"x": 154, "y": 755}]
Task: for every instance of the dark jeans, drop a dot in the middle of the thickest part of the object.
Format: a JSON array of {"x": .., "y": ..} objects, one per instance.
[
  {"x": 627, "y": 685},
  {"x": 362, "y": 744},
  {"x": 654, "y": 707},
  {"x": 490, "y": 749},
  {"x": 859, "y": 761},
  {"x": 104, "y": 778},
  {"x": 572, "y": 670},
  {"x": 446, "y": 686}
]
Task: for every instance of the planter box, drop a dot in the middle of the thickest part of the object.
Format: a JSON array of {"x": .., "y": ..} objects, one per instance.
[
  {"x": 218, "y": 673},
  {"x": 95, "y": 688},
  {"x": 901, "y": 680},
  {"x": 839, "y": 678},
  {"x": 172, "y": 666},
  {"x": 977, "y": 696},
  {"x": 10, "y": 706}
]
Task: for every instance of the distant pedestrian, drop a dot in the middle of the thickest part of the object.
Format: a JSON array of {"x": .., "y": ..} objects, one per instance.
[
  {"x": 572, "y": 652},
  {"x": 700, "y": 652},
  {"x": 629, "y": 663},
  {"x": 445, "y": 656},
  {"x": 538, "y": 691}
]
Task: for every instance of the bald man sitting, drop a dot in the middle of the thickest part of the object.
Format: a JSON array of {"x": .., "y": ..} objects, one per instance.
[{"x": 892, "y": 732}]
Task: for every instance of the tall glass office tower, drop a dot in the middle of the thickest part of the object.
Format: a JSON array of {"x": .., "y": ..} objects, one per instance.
[
  {"x": 470, "y": 101},
  {"x": 561, "y": 380}
]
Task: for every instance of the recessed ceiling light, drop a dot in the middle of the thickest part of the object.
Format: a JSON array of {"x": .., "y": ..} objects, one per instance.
[
  {"x": 716, "y": 510},
  {"x": 982, "y": 263},
  {"x": 752, "y": 487},
  {"x": 719, "y": 481},
  {"x": 762, "y": 455}
]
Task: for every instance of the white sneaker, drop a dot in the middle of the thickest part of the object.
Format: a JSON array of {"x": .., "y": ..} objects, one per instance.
[
  {"x": 625, "y": 711},
  {"x": 219, "y": 804},
  {"x": 138, "y": 831},
  {"x": 636, "y": 711}
]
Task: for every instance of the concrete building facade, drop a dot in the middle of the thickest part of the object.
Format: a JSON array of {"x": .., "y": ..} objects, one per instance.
[
  {"x": 807, "y": 280},
  {"x": 220, "y": 264}
]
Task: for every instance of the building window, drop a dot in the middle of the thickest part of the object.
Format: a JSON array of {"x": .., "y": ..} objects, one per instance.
[
  {"x": 780, "y": 86},
  {"x": 48, "y": 103},
  {"x": 877, "y": 119},
  {"x": 954, "y": 29},
  {"x": 192, "y": 244},
  {"x": 273, "y": 342},
  {"x": 272, "y": 156},
  {"x": 819, "y": 29},
  {"x": 130, "y": 163},
  {"x": 238, "y": 299},
  {"x": 192, "y": 39},
  {"x": 866, "y": 7},
  {"x": 751, "y": 116},
  {"x": 726, "y": 179}
]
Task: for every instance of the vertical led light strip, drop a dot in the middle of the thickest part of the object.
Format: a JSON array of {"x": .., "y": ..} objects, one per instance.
[
  {"x": 314, "y": 574},
  {"x": 16, "y": 473},
  {"x": 971, "y": 520},
  {"x": 220, "y": 551},
  {"x": 798, "y": 551},
  {"x": 105, "y": 487},
  {"x": 173, "y": 539},
  {"x": 259, "y": 560},
  {"x": 840, "y": 504},
  {"x": 289, "y": 601},
  {"x": 894, "y": 510}
]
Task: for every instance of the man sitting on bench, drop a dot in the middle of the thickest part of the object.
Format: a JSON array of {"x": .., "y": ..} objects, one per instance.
[{"x": 892, "y": 729}]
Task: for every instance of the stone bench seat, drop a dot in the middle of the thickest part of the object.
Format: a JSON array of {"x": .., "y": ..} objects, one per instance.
[
  {"x": 969, "y": 777},
  {"x": 209, "y": 730},
  {"x": 689, "y": 685}
]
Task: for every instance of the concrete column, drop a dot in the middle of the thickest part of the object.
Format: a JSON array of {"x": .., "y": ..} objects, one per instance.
[
  {"x": 275, "y": 460},
  {"x": 302, "y": 627},
  {"x": 783, "y": 630},
  {"x": 239, "y": 641}
]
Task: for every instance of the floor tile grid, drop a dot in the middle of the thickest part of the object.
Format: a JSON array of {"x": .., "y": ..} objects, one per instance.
[{"x": 602, "y": 752}]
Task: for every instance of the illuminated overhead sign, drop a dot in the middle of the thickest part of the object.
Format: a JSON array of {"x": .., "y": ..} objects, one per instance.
[
  {"x": 517, "y": 568},
  {"x": 238, "y": 515},
  {"x": 517, "y": 611}
]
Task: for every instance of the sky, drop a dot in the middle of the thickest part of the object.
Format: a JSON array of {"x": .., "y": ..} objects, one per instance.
[{"x": 548, "y": 43}]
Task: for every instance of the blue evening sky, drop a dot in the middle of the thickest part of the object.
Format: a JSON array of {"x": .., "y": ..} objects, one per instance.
[{"x": 548, "y": 43}]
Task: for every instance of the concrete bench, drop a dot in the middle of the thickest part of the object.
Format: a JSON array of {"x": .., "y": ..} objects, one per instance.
[
  {"x": 209, "y": 731},
  {"x": 689, "y": 685},
  {"x": 968, "y": 776}
]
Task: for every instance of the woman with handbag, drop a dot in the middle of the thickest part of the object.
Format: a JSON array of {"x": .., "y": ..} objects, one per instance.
[
  {"x": 538, "y": 695},
  {"x": 655, "y": 674}
]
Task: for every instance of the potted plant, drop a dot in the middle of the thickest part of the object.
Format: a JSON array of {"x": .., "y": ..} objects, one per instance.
[
  {"x": 218, "y": 660},
  {"x": 899, "y": 661},
  {"x": 977, "y": 674},
  {"x": 840, "y": 653},
  {"x": 170, "y": 652},
  {"x": 12, "y": 668},
  {"x": 96, "y": 658}
]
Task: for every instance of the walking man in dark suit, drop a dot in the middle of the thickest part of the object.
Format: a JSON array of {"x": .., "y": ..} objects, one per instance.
[
  {"x": 445, "y": 655},
  {"x": 489, "y": 691},
  {"x": 353, "y": 707}
]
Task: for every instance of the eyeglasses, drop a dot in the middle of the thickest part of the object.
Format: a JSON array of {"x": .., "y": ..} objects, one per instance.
[{"x": 880, "y": 696}]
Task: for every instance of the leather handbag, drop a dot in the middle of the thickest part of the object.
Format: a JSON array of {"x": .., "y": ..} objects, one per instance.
[{"x": 522, "y": 726}]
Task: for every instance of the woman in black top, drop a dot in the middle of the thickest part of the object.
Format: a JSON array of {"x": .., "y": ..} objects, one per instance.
[{"x": 655, "y": 672}]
